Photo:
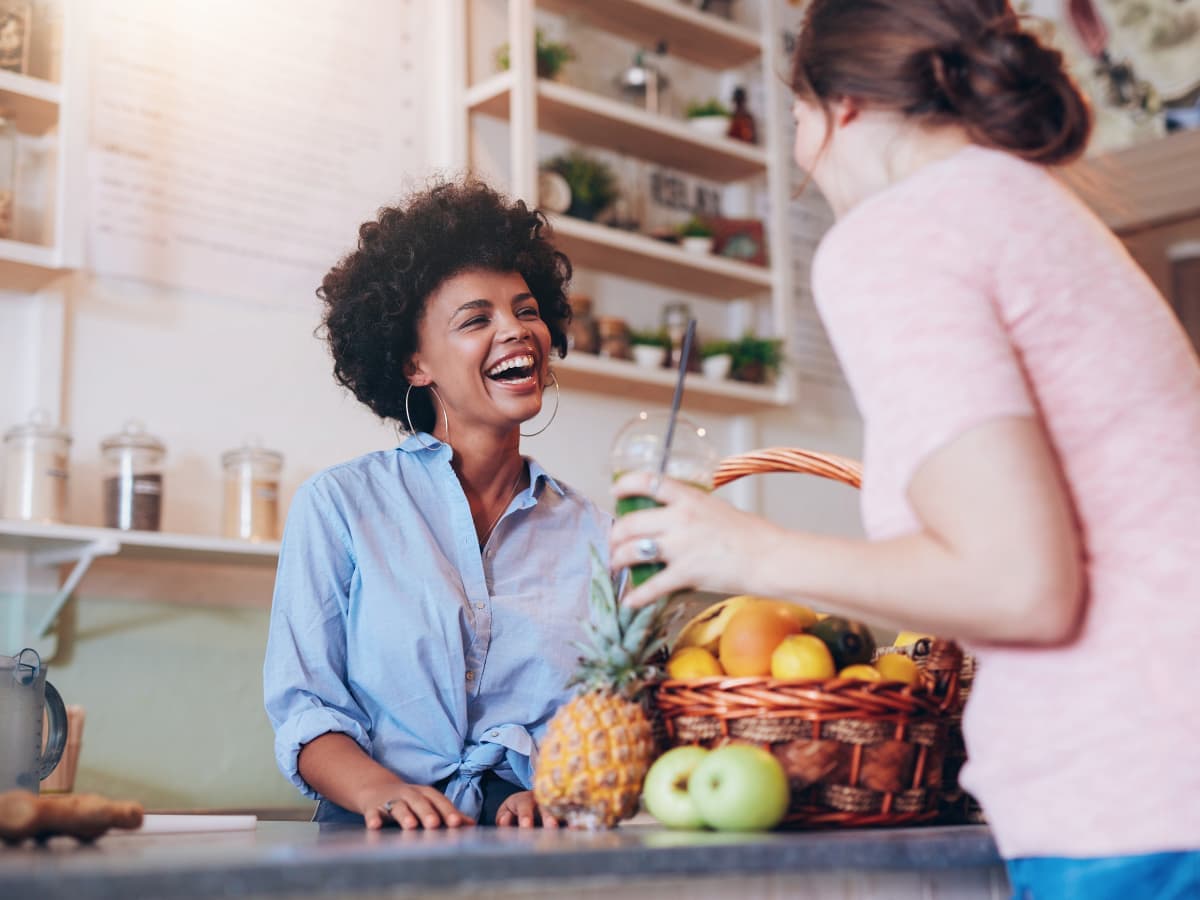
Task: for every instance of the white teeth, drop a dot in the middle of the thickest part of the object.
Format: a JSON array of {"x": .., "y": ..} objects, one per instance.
[{"x": 515, "y": 362}]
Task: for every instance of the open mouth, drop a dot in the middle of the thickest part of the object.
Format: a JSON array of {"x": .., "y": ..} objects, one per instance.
[{"x": 512, "y": 370}]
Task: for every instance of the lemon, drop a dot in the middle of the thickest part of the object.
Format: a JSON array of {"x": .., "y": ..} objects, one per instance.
[
  {"x": 908, "y": 638},
  {"x": 898, "y": 667},
  {"x": 861, "y": 672},
  {"x": 693, "y": 662},
  {"x": 802, "y": 656}
]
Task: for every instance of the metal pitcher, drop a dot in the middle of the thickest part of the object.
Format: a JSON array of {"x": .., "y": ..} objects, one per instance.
[{"x": 25, "y": 695}]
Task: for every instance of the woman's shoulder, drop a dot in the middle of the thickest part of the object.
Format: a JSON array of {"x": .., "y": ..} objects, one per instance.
[
  {"x": 351, "y": 475},
  {"x": 572, "y": 499}
]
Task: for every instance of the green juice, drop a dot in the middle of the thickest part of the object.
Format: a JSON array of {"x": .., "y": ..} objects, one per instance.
[{"x": 642, "y": 571}]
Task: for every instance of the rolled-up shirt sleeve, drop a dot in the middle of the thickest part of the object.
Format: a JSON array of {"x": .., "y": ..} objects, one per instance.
[{"x": 304, "y": 675}]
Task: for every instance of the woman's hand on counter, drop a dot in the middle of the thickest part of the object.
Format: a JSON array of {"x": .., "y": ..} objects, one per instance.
[
  {"x": 410, "y": 806},
  {"x": 522, "y": 810}
]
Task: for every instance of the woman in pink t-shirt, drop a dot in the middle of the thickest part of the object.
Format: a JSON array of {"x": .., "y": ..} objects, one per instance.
[{"x": 1031, "y": 414}]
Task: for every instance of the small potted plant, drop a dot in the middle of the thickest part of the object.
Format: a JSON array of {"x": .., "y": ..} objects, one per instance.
[
  {"x": 696, "y": 236},
  {"x": 550, "y": 56},
  {"x": 755, "y": 359},
  {"x": 592, "y": 182},
  {"x": 710, "y": 117},
  {"x": 717, "y": 359},
  {"x": 649, "y": 348}
]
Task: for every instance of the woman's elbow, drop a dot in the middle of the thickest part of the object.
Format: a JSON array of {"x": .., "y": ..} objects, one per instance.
[{"x": 1049, "y": 599}]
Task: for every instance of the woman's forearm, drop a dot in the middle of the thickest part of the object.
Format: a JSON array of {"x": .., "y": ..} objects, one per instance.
[
  {"x": 915, "y": 582},
  {"x": 335, "y": 767}
]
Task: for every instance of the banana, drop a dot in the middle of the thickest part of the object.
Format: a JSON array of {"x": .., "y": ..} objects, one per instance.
[{"x": 704, "y": 630}]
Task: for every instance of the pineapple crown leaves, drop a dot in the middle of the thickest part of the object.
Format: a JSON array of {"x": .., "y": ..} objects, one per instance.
[{"x": 622, "y": 642}]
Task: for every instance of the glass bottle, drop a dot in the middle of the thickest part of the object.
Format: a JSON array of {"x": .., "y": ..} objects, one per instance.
[
  {"x": 133, "y": 479},
  {"x": 15, "y": 18},
  {"x": 35, "y": 470},
  {"x": 8, "y": 172},
  {"x": 614, "y": 337},
  {"x": 582, "y": 336},
  {"x": 251, "y": 505},
  {"x": 741, "y": 123}
]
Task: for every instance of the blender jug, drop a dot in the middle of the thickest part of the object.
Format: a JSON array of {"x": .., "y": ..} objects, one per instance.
[{"x": 24, "y": 695}]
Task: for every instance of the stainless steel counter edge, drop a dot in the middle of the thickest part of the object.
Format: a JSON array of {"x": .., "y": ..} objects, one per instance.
[{"x": 302, "y": 858}]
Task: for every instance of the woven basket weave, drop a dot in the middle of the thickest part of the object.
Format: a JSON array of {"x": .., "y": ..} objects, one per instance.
[{"x": 857, "y": 753}]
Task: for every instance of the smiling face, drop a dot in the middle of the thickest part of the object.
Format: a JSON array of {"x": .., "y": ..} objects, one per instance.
[{"x": 483, "y": 345}]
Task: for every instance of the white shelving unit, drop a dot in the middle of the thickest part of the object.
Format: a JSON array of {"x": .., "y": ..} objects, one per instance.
[
  {"x": 33, "y": 555},
  {"x": 51, "y": 110},
  {"x": 531, "y": 106}
]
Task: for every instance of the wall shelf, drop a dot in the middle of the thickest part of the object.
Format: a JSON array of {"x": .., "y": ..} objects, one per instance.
[
  {"x": 637, "y": 256},
  {"x": 61, "y": 540},
  {"x": 597, "y": 121},
  {"x": 630, "y": 381},
  {"x": 698, "y": 37},
  {"x": 34, "y": 102}
]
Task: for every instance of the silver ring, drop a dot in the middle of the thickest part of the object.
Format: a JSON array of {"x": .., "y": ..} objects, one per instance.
[
  {"x": 646, "y": 549},
  {"x": 387, "y": 807}
]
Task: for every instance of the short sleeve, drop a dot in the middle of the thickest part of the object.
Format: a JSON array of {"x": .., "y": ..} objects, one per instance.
[
  {"x": 912, "y": 317},
  {"x": 304, "y": 674}
]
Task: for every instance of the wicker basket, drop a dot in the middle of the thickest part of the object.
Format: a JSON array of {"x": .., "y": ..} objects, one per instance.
[{"x": 857, "y": 753}]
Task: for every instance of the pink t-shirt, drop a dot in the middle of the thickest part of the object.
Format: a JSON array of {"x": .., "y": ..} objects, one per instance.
[{"x": 980, "y": 288}]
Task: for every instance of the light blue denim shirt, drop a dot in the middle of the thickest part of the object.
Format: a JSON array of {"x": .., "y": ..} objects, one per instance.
[{"x": 389, "y": 624}]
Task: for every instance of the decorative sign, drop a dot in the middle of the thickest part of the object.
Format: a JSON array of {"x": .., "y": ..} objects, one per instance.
[{"x": 236, "y": 147}]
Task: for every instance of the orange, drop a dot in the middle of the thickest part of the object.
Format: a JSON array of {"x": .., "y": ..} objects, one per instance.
[{"x": 753, "y": 634}]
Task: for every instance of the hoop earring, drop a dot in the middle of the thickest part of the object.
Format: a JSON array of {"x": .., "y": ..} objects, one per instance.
[
  {"x": 408, "y": 415},
  {"x": 557, "y": 400}
]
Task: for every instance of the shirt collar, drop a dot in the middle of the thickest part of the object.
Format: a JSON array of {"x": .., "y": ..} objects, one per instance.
[{"x": 421, "y": 441}]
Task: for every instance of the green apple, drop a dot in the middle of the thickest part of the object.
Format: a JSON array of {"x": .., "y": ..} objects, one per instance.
[
  {"x": 740, "y": 788},
  {"x": 665, "y": 790}
]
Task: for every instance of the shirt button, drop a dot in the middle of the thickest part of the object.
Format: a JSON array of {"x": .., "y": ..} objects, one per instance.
[
  {"x": 493, "y": 734},
  {"x": 480, "y": 605},
  {"x": 470, "y": 676}
]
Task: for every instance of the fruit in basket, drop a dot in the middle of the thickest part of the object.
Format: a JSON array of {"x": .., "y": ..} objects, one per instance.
[
  {"x": 802, "y": 656},
  {"x": 599, "y": 745},
  {"x": 898, "y": 667},
  {"x": 740, "y": 788},
  {"x": 850, "y": 642},
  {"x": 704, "y": 630},
  {"x": 861, "y": 672},
  {"x": 753, "y": 634},
  {"x": 665, "y": 793},
  {"x": 693, "y": 662}
]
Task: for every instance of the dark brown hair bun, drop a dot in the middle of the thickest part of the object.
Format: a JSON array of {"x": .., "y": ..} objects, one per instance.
[{"x": 964, "y": 62}]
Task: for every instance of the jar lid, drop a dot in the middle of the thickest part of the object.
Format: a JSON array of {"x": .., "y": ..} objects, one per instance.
[
  {"x": 133, "y": 435},
  {"x": 38, "y": 426},
  {"x": 251, "y": 453}
]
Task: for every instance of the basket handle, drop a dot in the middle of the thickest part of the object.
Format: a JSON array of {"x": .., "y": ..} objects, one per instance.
[{"x": 789, "y": 459}]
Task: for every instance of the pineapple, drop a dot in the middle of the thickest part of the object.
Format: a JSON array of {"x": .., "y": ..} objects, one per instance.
[{"x": 599, "y": 745}]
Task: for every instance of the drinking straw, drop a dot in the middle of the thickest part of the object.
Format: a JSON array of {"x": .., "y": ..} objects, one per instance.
[{"x": 685, "y": 354}]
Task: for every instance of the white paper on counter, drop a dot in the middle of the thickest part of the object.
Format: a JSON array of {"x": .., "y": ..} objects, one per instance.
[{"x": 189, "y": 824}]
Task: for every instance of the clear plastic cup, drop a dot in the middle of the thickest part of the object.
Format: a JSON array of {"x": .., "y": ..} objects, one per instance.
[{"x": 639, "y": 448}]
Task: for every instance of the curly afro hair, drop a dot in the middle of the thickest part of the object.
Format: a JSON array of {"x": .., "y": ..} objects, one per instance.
[{"x": 375, "y": 297}]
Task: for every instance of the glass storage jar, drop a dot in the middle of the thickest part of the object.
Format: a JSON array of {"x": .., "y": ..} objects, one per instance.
[
  {"x": 251, "y": 508},
  {"x": 35, "y": 470},
  {"x": 8, "y": 173},
  {"x": 133, "y": 479}
]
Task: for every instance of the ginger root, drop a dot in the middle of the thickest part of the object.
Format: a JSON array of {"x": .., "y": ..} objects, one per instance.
[{"x": 82, "y": 816}]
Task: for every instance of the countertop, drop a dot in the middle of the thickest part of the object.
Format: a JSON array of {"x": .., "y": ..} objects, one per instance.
[{"x": 300, "y": 858}]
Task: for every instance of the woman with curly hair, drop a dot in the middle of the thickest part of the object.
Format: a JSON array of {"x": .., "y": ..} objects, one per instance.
[
  {"x": 1031, "y": 414},
  {"x": 427, "y": 596}
]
